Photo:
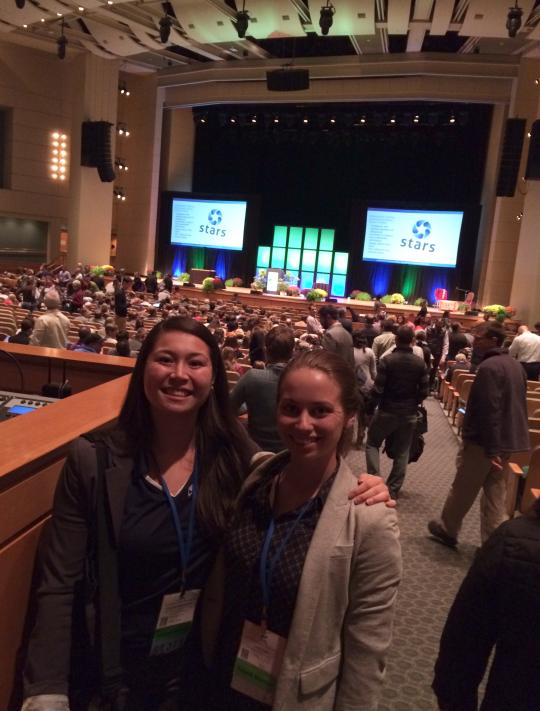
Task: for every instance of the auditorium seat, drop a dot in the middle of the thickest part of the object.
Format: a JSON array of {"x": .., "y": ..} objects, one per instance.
[{"x": 519, "y": 466}]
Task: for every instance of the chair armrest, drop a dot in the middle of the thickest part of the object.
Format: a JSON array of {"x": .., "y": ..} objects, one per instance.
[{"x": 515, "y": 469}]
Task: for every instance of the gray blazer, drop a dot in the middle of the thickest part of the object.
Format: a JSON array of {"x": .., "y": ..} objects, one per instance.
[
  {"x": 342, "y": 623},
  {"x": 338, "y": 340}
]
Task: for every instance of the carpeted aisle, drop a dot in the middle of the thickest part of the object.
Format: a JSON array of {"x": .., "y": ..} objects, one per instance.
[{"x": 432, "y": 572}]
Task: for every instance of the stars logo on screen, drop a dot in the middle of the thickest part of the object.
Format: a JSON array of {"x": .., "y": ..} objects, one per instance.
[
  {"x": 215, "y": 217},
  {"x": 421, "y": 229}
]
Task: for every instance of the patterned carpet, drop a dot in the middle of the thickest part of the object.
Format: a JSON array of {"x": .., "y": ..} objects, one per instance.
[{"x": 432, "y": 572}]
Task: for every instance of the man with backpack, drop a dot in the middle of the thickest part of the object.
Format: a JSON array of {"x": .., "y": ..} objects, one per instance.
[{"x": 402, "y": 383}]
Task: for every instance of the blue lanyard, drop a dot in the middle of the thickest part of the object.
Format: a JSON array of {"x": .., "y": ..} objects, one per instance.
[
  {"x": 267, "y": 567},
  {"x": 183, "y": 546}
]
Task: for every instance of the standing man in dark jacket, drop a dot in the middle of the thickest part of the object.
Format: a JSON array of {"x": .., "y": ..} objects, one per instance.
[
  {"x": 495, "y": 425},
  {"x": 497, "y": 606},
  {"x": 402, "y": 383}
]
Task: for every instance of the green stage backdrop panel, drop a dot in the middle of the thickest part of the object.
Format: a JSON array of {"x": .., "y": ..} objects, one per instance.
[
  {"x": 278, "y": 258},
  {"x": 311, "y": 238},
  {"x": 295, "y": 237},
  {"x": 263, "y": 257},
  {"x": 309, "y": 258},
  {"x": 280, "y": 236},
  {"x": 325, "y": 261},
  {"x": 341, "y": 261},
  {"x": 293, "y": 258},
  {"x": 327, "y": 240}
]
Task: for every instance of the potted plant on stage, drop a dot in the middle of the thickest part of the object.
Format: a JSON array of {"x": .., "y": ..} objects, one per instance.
[
  {"x": 498, "y": 312},
  {"x": 360, "y": 295},
  {"x": 184, "y": 278},
  {"x": 235, "y": 282},
  {"x": 393, "y": 299},
  {"x": 259, "y": 282},
  {"x": 212, "y": 284},
  {"x": 315, "y": 294},
  {"x": 292, "y": 291}
]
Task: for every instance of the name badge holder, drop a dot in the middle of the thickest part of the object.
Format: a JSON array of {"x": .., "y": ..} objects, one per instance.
[
  {"x": 260, "y": 654},
  {"x": 177, "y": 609}
]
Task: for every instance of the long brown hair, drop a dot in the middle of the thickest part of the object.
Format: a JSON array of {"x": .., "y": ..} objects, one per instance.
[{"x": 220, "y": 440}]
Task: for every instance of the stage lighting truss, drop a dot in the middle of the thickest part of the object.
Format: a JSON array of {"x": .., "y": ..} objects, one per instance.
[
  {"x": 513, "y": 20},
  {"x": 241, "y": 21},
  {"x": 165, "y": 25},
  {"x": 58, "y": 158},
  {"x": 335, "y": 121},
  {"x": 326, "y": 19}
]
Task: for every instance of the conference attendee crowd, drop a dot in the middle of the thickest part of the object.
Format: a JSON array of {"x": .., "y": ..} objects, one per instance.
[{"x": 250, "y": 568}]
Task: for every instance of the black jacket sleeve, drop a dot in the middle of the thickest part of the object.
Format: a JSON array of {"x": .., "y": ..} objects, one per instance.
[
  {"x": 61, "y": 566},
  {"x": 470, "y": 631}
]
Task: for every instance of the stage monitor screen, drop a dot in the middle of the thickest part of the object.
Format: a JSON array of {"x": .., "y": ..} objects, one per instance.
[
  {"x": 425, "y": 237},
  {"x": 217, "y": 224}
]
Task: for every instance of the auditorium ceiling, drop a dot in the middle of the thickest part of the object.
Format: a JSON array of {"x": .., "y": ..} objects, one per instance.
[{"x": 203, "y": 31}]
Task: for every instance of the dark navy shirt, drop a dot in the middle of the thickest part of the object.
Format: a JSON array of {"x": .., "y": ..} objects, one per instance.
[{"x": 150, "y": 565}]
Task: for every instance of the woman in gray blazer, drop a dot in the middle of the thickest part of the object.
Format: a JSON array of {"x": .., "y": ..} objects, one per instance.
[{"x": 310, "y": 579}]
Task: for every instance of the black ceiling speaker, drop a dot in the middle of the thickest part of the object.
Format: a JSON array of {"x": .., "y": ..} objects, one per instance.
[
  {"x": 96, "y": 149},
  {"x": 287, "y": 79},
  {"x": 20, "y": 3},
  {"x": 533, "y": 161},
  {"x": 514, "y": 133}
]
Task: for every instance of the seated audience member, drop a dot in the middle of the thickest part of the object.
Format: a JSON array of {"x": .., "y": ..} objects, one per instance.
[
  {"x": 136, "y": 342},
  {"x": 83, "y": 332},
  {"x": 92, "y": 343},
  {"x": 461, "y": 364},
  {"x": 231, "y": 341},
  {"x": 52, "y": 328},
  {"x": 496, "y": 608},
  {"x": 111, "y": 333},
  {"x": 24, "y": 335},
  {"x": 122, "y": 348},
  {"x": 230, "y": 362},
  {"x": 258, "y": 390},
  {"x": 256, "y": 345}
]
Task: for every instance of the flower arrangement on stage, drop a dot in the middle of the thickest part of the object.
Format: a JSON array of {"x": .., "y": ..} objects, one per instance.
[
  {"x": 184, "y": 278},
  {"x": 212, "y": 284},
  {"x": 360, "y": 295},
  {"x": 259, "y": 282},
  {"x": 103, "y": 270},
  {"x": 235, "y": 281},
  {"x": 421, "y": 301},
  {"x": 315, "y": 294},
  {"x": 499, "y": 312},
  {"x": 292, "y": 291},
  {"x": 393, "y": 299}
]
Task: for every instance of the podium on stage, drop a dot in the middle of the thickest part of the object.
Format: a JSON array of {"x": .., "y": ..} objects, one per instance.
[{"x": 196, "y": 276}]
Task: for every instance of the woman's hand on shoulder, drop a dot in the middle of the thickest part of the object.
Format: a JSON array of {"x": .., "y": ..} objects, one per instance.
[{"x": 371, "y": 489}]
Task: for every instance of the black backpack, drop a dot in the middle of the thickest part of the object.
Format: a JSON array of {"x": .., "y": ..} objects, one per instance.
[{"x": 417, "y": 442}]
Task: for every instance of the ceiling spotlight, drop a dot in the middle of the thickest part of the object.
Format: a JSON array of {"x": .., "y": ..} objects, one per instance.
[
  {"x": 513, "y": 20},
  {"x": 165, "y": 24},
  {"x": 276, "y": 119},
  {"x": 332, "y": 120},
  {"x": 416, "y": 118},
  {"x": 327, "y": 17},
  {"x": 241, "y": 21},
  {"x": 61, "y": 44},
  {"x": 20, "y": 3},
  {"x": 452, "y": 119}
]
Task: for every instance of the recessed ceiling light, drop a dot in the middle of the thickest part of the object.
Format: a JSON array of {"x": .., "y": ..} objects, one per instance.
[{"x": 81, "y": 8}]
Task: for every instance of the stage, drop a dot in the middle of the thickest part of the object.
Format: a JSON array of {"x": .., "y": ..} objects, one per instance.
[{"x": 299, "y": 304}]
